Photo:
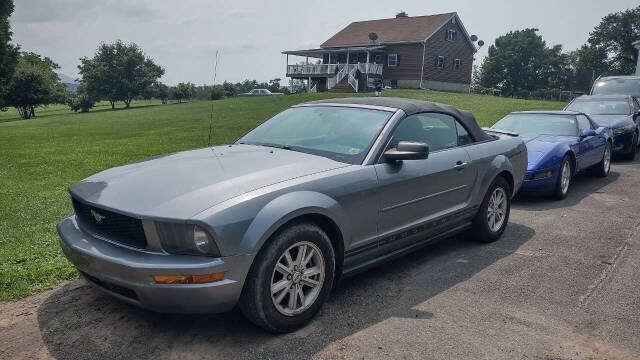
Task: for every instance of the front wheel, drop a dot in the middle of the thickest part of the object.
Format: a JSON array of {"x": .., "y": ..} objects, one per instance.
[
  {"x": 492, "y": 218},
  {"x": 603, "y": 167},
  {"x": 290, "y": 279},
  {"x": 564, "y": 179}
]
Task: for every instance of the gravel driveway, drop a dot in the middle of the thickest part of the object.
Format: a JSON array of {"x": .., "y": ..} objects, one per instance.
[{"x": 562, "y": 283}]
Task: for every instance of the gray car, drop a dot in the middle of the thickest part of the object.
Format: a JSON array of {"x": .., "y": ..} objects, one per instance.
[{"x": 321, "y": 191}]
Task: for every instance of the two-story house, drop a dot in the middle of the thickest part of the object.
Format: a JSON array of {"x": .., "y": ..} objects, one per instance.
[{"x": 428, "y": 52}]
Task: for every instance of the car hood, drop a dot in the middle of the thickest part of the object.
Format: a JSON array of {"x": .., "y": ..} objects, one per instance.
[
  {"x": 612, "y": 121},
  {"x": 183, "y": 184},
  {"x": 541, "y": 147}
]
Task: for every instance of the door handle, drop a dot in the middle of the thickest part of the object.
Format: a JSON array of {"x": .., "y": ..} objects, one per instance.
[{"x": 460, "y": 165}]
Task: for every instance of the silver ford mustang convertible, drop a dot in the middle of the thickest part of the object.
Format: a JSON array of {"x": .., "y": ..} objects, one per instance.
[{"x": 270, "y": 223}]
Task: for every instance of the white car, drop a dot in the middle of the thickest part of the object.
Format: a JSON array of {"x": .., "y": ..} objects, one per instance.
[{"x": 259, "y": 92}]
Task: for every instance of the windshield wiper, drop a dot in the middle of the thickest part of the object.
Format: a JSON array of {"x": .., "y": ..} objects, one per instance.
[{"x": 277, "y": 146}]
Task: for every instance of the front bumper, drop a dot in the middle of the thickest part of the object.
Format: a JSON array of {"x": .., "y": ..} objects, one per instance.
[
  {"x": 540, "y": 186},
  {"x": 128, "y": 274},
  {"x": 622, "y": 143}
]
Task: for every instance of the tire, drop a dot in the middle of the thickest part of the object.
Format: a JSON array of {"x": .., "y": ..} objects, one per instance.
[
  {"x": 602, "y": 168},
  {"x": 563, "y": 182},
  {"x": 482, "y": 229},
  {"x": 257, "y": 302},
  {"x": 634, "y": 147}
]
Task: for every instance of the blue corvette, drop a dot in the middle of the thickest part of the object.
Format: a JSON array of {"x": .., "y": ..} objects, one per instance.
[
  {"x": 560, "y": 144},
  {"x": 621, "y": 113}
]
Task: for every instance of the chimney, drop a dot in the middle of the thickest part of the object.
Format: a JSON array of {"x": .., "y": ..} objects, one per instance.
[{"x": 401, "y": 14}]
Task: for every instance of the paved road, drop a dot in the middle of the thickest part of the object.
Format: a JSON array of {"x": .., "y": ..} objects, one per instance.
[{"x": 562, "y": 283}]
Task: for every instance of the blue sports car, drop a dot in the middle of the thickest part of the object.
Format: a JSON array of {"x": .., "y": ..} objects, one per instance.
[
  {"x": 621, "y": 113},
  {"x": 560, "y": 144}
]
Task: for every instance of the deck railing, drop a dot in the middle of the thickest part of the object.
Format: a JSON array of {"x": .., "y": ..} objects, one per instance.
[{"x": 330, "y": 69}]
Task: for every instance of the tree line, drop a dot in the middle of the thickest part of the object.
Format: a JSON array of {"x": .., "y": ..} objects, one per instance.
[{"x": 521, "y": 64}]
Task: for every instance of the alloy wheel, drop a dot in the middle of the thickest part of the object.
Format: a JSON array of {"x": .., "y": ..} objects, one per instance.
[
  {"x": 565, "y": 177},
  {"x": 607, "y": 159},
  {"x": 297, "y": 278},
  {"x": 497, "y": 209}
]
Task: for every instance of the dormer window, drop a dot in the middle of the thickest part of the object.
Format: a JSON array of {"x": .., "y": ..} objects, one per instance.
[{"x": 452, "y": 35}]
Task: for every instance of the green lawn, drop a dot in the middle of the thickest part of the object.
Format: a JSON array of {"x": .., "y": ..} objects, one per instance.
[{"x": 41, "y": 157}]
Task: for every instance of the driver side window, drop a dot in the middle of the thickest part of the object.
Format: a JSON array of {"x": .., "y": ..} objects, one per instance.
[
  {"x": 583, "y": 123},
  {"x": 436, "y": 130}
]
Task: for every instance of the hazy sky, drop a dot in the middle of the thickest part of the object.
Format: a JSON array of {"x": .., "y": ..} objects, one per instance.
[{"x": 183, "y": 35}]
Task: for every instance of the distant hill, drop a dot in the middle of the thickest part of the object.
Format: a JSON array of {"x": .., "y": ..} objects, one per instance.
[
  {"x": 70, "y": 82},
  {"x": 66, "y": 79}
]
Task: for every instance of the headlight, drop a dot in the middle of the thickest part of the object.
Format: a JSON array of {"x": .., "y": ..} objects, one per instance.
[
  {"x": 622, "y": 130},
  {"x": 190, "y": 239}
]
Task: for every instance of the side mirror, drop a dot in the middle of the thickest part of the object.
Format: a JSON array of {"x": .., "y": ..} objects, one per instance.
[
  {"x": 407, "y": 150},
  {"x": 587, "y": 132}
]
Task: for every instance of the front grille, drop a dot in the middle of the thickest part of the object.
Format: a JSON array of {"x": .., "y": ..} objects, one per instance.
[
  {"x": 110, "y": 225},
  {"x": 121, "y": 290}
]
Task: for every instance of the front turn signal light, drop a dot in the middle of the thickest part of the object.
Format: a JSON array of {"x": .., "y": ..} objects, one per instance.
[{"x": 188, "y": 279}]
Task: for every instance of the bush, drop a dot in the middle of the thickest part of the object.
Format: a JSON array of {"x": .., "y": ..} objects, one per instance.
[
  {"x": 80, "y": 102},
  {"x": 217, "y": 93}
]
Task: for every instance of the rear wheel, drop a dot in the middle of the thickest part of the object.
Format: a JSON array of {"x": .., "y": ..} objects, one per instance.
[
  {"x": 564, "y": 179},
  {"x": 290, "y": 279},
  {"x": 603, "y": 167},
  {"x": 493, "y": 216}
]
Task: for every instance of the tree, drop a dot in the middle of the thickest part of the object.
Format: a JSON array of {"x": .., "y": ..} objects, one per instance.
[
  {"x": 8, "y": 52},
  {"x": 520, "y": 62},
  {"x": 34, "y": 83},
  {"x": 614, "y": 38},
  {"x": 184, "y": 91},
  {"x": 118, "y": 72},
  {"x": 157, "y": 90}
]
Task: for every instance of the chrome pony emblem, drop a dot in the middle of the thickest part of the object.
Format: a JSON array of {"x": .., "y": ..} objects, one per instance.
[{"x": 96, "y": 215}]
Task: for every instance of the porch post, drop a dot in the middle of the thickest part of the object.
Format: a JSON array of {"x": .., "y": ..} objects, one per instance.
[
  {"x": 424, "y": 50},
  {"x": 329, "y": 57},
  {"x": 309, "y": 84},
  {"x": 291, "y": 85},
  {"x": 367, "y": 67},
  {"x": 287, "y": 63}
]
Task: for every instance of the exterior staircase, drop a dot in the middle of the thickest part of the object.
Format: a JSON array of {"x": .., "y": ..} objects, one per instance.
[{"x": 343, "y": 87}]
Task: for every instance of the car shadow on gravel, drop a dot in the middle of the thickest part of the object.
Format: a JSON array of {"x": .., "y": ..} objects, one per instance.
[
  {"x": 79, "y": 322},
  {"x": 582, "y": 185}
]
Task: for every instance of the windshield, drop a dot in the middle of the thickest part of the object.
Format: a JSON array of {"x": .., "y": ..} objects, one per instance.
[
  {"x": 617, "y": 87},
  {"x": 538, "y": 124},
  {"x": 340, "y": 133},
  {"x": 601, "y": 106}
]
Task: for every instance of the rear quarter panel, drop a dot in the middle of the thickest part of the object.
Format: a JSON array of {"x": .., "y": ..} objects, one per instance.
[{"x": 505, "y": 153}]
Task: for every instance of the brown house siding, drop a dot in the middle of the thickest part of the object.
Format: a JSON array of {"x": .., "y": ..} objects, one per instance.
[
  {"x": 410, "y": 56},
  {"x": 437, "y": 45},
  {"x": 408, "y": 73}
]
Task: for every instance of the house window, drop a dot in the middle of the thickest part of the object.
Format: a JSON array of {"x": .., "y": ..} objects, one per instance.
[
  {"x": 452, "y": 35},
  {"x": 440, "y": 62},
  {"x": 378, "y": 59},
  {"x": 456, "y": 64},
  {"x": 393, "y": 59}
]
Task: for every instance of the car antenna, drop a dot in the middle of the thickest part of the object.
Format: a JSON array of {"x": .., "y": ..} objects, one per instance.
[{"x": 215, "y": 73}]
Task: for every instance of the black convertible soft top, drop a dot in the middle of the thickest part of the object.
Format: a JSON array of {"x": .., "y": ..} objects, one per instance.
[{"x": 410, "y": 107}]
